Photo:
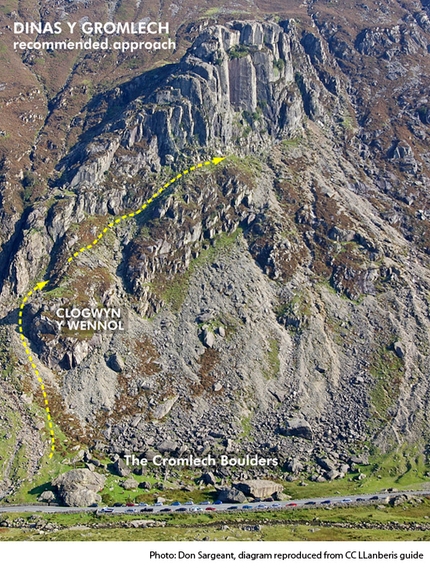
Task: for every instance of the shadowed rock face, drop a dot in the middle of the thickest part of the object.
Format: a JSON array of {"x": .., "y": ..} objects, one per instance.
[{"x": 298, "y": 427}]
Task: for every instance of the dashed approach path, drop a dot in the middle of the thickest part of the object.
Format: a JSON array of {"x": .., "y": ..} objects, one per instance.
[{"x": 39, "y": 286}]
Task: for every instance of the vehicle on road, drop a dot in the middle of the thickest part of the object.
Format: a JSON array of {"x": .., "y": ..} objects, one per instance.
[
  {"x": 146, "y": 510},
  {"x": 233, "y": 508},
  {"x": 166, "y": 510},
  {"x": 130, "y": 511},
  {"x": 291, "y": 505},
  {"x": 248, "y": 507},
  {"x": 159, "y": 504},
  {"x": 346, "y": 500},
  {"x": 217, "y": 502},
  {"x": 374, "y": 498},
  {"x": 310, "y": 504},
  {"x": 196, "y": 509},
  {"x": 262, "y": 507},
  {"x": 181, "y": 510},
  {"x": 360, "y": 500},
  {"x": 211, "y": 509},
  {"x": 326, "y": 502}
]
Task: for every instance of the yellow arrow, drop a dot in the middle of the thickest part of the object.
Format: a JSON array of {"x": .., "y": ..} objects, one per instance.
[
  {"x": 143, "y": 206},
  {"x": 41, "y": 285}
]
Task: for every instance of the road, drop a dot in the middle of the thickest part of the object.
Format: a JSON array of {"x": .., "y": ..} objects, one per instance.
[{"x": 288, "y": 504}]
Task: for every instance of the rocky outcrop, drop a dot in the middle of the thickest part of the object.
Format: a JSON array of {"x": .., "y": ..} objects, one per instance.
[
  {"x": 226, "y": 87},
  {"x": 78, "y": 488}
]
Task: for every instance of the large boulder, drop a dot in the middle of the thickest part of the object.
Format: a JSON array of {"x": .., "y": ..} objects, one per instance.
[
  {"x": 208, "y": 338},
  {"x": 164, "y": 408},
  {"x": 398, "y": 500},
  {"x": 168, "y": 447},
  {"x": 121, "y": 468},
  {"x": 327, "y": 464},
  {"x": 294, "y": 466},
  {"x": 78, "y": 488},
  {"x": 208, "y": 478},
  {"x": 298, "y": 427},
  {"x": 231, "y": 496},
  {"x": 116, "y": 363},
  {"x": 129, "y": 484},
  {"x": 259, "y": 488},
  {"x": 47, "y": 496}
]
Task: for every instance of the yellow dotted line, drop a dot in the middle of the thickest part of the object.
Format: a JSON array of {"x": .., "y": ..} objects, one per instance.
[
  {"x": 35, "y": 370},
  {"x": 141, "y": 208},
  {"x": 41, "y": 285}
]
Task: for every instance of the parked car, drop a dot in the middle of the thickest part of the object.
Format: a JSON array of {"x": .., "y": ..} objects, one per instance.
[
  {"x": 130, "y": 504},
  {"x": 217, "y": 503},
  {"x": 143, "y": 505},
  {"x": 176, "y": 504},
  {"x": 189, "y": 503},
  {"x": 205, "y": 503},
  {"x": 118, "y": 505}
]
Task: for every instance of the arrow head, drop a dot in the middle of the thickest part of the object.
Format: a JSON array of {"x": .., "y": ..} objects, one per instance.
[
  {"x": 41, "y": 285},
  {"x": 217, "y": 160}
]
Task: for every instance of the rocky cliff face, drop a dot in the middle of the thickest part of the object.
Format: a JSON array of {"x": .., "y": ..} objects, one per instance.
[
  {"x": 235, "y": 84},
  {"x": 278, "y": 302}
]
